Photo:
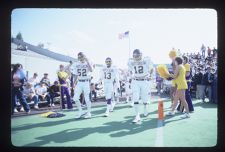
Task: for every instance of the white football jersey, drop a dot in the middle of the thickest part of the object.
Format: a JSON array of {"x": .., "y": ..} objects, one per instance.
[
  {"x": 81, "y": 70},
  {"x": 140, "y": 68},
  {"x": 108, "y": 75}
]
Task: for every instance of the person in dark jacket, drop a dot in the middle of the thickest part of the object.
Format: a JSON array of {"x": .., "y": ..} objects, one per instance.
[
  {"x": 207, "y": 82},
  {"x": 17, "y": 81},
  {"x": 214, "y": 88},
  {"x": 198, "y": 80},
  {"x": 54, "y": 91}
]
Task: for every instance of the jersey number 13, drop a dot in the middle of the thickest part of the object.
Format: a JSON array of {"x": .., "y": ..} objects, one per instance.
[{"x": 107, "y": 75}]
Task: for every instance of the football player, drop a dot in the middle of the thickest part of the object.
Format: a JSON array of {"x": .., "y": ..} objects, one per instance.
[
  {"x": 109, "y": 77},
  {"x": 81, "y": 71},
  {"x": 141, "y": 70}
]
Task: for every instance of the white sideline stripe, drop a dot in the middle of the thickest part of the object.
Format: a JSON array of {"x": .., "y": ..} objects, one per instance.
[
  {"x": 159, "y": 134},
  {"x": 159, "y": 99}
]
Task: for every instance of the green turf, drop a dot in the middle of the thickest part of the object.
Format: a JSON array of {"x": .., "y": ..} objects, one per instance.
[
  {"x": 198, "y": 131},
  {"x": 117, "y": 130}
]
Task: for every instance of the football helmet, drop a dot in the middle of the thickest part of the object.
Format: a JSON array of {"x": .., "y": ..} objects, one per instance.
[
  {"x": 80, "y": 56},
  {"x": 108, "y": 62},
  {"x": 137, "y": 55}
]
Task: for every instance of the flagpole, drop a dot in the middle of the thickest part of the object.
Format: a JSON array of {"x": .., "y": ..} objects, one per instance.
[{"x": 129, "y": 45}]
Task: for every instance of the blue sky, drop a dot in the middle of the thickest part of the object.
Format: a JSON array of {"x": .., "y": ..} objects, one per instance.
[{"x": 95, "y": 31}]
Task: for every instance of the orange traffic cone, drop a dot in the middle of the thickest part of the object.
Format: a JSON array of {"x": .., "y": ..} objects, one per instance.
[{"x": 160, "y": 110}]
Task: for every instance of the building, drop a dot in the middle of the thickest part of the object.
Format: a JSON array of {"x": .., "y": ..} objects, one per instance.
[{"x": 39, "y": 60}]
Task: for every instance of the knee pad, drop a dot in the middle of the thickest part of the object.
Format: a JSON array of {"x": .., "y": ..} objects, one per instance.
[{"x": 136, "y": 102}]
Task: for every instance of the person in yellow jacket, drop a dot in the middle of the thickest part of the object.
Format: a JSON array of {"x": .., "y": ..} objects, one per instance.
[
  {"x": 62, "y": 76},
  {"x": 179, "y": 78},
  {"x": 187, "y": 92}
]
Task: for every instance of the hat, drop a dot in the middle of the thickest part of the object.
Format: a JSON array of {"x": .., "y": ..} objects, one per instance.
[{"x": 45, "y": 73}]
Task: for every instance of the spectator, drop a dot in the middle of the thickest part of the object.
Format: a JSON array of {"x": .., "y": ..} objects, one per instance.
[
  {"x": 203, "y": 49},
  {"x": 214, "y": 87},
  {"x": 63, "y": 76},
  {"x": 43, "y": 94},
  {"x": 198, "y": 56},
  {"x": 207, "y": 82},
  {"x": 68, "y": 71},
  {"x": 93, "y": 92},
  {"x": 17, "y": 81},
  {"x": 198, "y": 79},
  {"x": 214, "y": 52},
  {"x": 54, "y": 91},
  {"x": 46, "y": 80},
  {"x": 209, "y": 52},
  {"x": 159, "y": 84},
  {"x": 30, "y": 94},
  {"x": 34, "y": 80}
]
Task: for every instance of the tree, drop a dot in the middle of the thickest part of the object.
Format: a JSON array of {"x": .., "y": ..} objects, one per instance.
[{"x": 19, "y": 36}]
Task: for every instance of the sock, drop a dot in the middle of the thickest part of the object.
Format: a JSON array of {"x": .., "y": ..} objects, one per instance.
[
  {"x": 79, "y": 105},
  {"x": 108, "y": 107},
  {"x": 88, "y": 106},
  {"x": 145, "y": 107},
  {"x": 136, "y": 108}
]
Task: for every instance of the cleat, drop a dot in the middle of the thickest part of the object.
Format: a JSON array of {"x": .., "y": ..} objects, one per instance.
[
  {"x": 22, "y": 109},
  {"x": 170, "y": 113},
  {"x": 137, "y": 119},
  {"x": 15, "y": 110},
  {"x": 106, "y": 114},
  {"x": 88, "y": 115},
  {"x": 36, "y": 107},
  {"x": 146, "y": 113},
  {"x": 186, "y": 115},
  {"x": 28, "y": 112},
  {"x": 79, "y": 115},
  {"x": 131, "y": 104}
]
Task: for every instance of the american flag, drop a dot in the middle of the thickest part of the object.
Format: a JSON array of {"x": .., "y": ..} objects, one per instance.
[{"x": 124, "y": 35}]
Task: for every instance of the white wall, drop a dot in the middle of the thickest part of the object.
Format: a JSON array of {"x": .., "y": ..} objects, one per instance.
[{"x": 39, "y": 65}]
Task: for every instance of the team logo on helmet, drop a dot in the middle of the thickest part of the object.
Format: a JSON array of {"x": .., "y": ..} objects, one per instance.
[{"x": 137, "y": 55}]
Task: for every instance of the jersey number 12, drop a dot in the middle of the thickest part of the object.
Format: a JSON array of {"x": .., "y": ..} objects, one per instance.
[{"x": 138, "y": 69}]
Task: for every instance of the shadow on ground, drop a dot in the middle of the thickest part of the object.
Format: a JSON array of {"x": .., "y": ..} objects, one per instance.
[
  {"x": 119, "y": 129},
  {"x": 205, "y": 105}
]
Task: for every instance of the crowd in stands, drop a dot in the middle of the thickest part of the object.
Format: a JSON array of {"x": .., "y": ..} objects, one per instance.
[
  {"x": 203, "y": 74},
  {"x": 26, "y": 90}
]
